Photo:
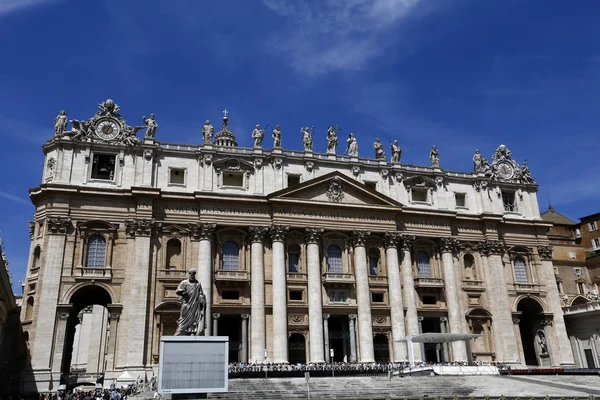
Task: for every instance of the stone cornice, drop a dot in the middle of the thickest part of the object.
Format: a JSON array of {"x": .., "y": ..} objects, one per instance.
[
  {"x": 58, "y": 225},
  {"x": 141, "y": 227},
  {"x": 279, "y": 232},
  {"x": 258, "y": 233},
  {"x": 312, "y": 235},
  {"x": 201, "y": 231}
]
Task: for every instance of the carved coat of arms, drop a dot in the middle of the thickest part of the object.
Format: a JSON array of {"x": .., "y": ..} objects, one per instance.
[{"x": 335, "y": 191}]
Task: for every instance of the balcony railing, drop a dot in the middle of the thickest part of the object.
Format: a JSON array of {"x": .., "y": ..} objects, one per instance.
[
  {"x": 469, "y": 284},
  {"x": 231, "y": 275},
  {"x": 338, "y": 277},
  {"x": 93, "y": 273},
  {"x": 590, "y": 307},
  {"x": 296, "y": 276},
  {"x": 429, "y": 282},
  {"x": 378, "y": 280},
  {"x": 527, "y": 287},
  {"x": 171, "y": 273}
]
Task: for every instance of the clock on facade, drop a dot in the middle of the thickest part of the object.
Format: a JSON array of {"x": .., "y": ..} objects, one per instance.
[
  {"x": 107, "y": 129},
  {"x": 505, "y": 170}
]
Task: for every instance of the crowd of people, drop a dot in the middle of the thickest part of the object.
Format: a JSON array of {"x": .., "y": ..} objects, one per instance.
[{"x": 105, "y": 394}]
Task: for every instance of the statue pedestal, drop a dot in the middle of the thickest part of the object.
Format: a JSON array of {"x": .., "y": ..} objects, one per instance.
[
  {"x": 277, "y": 150},
  {"x": 331, "y": 156},
  {"x": 257, "y": 150},
  {"x": 308, "y": 153},
  {"x": 192, "y": 366},
  {"x": 148, "y": 141}
]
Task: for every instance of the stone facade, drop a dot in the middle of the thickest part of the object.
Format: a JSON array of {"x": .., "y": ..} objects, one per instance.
[{"x": 301, "y": 255}]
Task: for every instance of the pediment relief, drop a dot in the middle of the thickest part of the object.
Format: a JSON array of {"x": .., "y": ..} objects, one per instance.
[
  {"x": 420, "y": 181},
  {"x": 233, "y": 164}
]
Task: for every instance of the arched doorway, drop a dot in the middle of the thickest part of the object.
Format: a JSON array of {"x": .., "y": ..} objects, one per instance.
[
  {"x": 381, "y": 347},
  {"x": 297, "y": 349},
  {"x": 87, "y": 334},
  {"x": 533, "y": 338}
]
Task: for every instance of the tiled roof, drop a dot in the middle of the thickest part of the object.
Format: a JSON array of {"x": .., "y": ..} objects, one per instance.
[{"x": 556, "y": 218}]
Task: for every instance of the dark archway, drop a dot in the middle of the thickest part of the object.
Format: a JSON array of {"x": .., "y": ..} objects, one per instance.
[
  {"x": 231, "y": 326},
  {"x": 382, "y": 348},
  {"x": 529, "y": 324},
  {"x": 297, "y": 349}
]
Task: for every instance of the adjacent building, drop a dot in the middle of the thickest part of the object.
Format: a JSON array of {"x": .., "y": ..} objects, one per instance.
[{"x": 299, "y": 253}]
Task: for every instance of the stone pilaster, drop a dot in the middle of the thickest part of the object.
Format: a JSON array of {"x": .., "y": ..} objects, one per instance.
[
  {"x": 62, "y": 318},
  {"x": 280, "y": 334},
  {"x": 410, "y": 295},
  {"x": 113, "y": 325},
  {"x": 565, "y": 353},
  {"x": 392, "y": 240},
  {"x": 315, "y": 295},
  {"x": 447, "y": 247},
  {"x": 326, "y": 336},
  {"x": 244, "y": 355},
  {"x": 363, "y": 297},
  {"x": 351, "y": 329},
  {"x": 204, "y": 233},
  {"x": 257, "y": 294}
]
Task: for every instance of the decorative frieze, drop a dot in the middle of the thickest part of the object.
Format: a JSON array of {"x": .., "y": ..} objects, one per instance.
[
  {"x": 279, "y": 232},
  {"x": 359, "y": 238},
  {"x": 58, "y": 225},
  {"x": 312, "y": 235},
  {"x": 392, "y": 239},
  {"x": 141, "y": 227},
  {"x": 258, "y": 233},
  {"x": 407, "y": 242},
  {"x": 491, "y": 247},
  {"x": 449, "y": 244},
  {"x": 545, "y": 252},
  {"x": 201, "y": 231}
]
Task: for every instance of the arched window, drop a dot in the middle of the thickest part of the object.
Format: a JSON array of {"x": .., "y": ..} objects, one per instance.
[
  {"x": 520, "y": 270},
  {"x": 293, "y": 258},
  {"x": 174, "y": 254},
  {"x": 96, "y": 252},
  {"x": 29, "y": 309},
  {"x": 374, "y": 262},
  {"x": 36, "y": 258},
  {"x": 231, "y": 256},
  {"x": 423, "y": 265},
  {"x": 334, "y": 259},
  {"x": 470, "y": 272}
]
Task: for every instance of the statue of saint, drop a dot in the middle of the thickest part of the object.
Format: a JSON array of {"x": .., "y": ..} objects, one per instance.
[
  {"x": 332, "y": 140},
  {"x": 60, "y": 123},
  {"x": 352, "y": 145},
  {"x": 307, "y": 139},
  {"x": 434, "y": 157},
  {"x": 379, "y": 153},
  {"x": 526, "y": 174},
  {"x": 207, "y": 132},
  {"x": 276, "y": 136},
  {"x": 396, "y": 152},
  {"x": 542, "y": 342},
  {"x": 257, "y": 135},
  {"x": 193, "y": 304},
  {"x": 151, "y": 126},
  {"x": 478, "y": 161}
]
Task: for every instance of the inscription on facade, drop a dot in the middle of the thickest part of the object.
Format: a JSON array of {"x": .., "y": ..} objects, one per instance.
[{"x": 334, "y": 215}]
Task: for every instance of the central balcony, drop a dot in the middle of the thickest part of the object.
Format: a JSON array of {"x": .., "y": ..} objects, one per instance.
[
  {"x": 174, "y": 274},
  {"x": 473, "y": 286},
  {"x": 338, "y": 277},
  {"x": 429, "y": 282},
  {"x": 378, "y": 280},
  {"x": 525, "y": 288},
  {"x": 296, "y": 277},
  {"x": 93, "y": 273},
  {"x": 231, "y": 275}
]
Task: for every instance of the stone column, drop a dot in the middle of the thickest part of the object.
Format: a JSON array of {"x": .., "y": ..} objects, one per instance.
[
  {"x": 51, "y": 272},
  {"x": 410, "y": 295},
  {"x": 140, "y": 230},
  {"x": 257, "y": 294},
  {"x": 280, "y": 331},
  {"x": 455, "y": 317},
  {"x": 315, "y": 295},
  {"x": 215, "y": 323},
  {"x": 204, "y": 234},
  {"x": 62, "y": 318},
  {"x": 351, "y": 319},
  {"x": 244, "y": 355},
  {"x": 363, "y": 297},
  {"x": 553, "y": 301},
  {"x": 326, "y": 336},
  {"x": 505, "y": 342},
  {"x": 395, "y": 296},
  {"x": 111, "y": 347},
  {"x": 444, "y": 345}
]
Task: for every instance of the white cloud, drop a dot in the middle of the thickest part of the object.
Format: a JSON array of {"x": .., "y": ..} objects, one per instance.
[
  {"x": 10, "y": 6},
  {"x": 15, "y": 199},
  {"x": 336, "y": 35}
]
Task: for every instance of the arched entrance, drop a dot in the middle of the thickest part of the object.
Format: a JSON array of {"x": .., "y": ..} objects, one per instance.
[
  {"x": 533, "y": 337},
  {"x": 297, "y": 349},
  {"x": 87, "y": 334},
  {"x": 381, "y": 347}
]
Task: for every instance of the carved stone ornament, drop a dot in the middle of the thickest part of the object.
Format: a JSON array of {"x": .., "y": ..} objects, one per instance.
[
  {"x": 491, "y": 247},
  {"x": 277, "y": 162},
  {"x": 310, "y": 165},
  {"x": 360, "y": 238},
  {"x": 449, "y": 244},
  {"x": 258, "y": 233},
  {"x": 296, "y": 319},
  {"x": 50, "y": 169},
  {"x": 379, "y": 320},
  {"x": 392, "y": 239},
  {"x": 420, "y": 182},
  {"x": 335, "y": 191},
  {"x": 258, "y": 163},
  {"x": 312, "y": 235},
  {"x": 201, "y": 231},
  {"x": 58, "y": 225},
  {"x": 279, "y": 232},
  {"x": 407, "y": 242},
  {"x": 385, "y": 173},
  {"x": 148, "y": 154},
  {"x": 355, "y": 170},
  {"x": 31, "y": 229},
  {"x": 545, "y": 252},
  {"x": 141, "y": 227},
  {"x": 207, "y": 159},
  {"x": 62, "y": 315}
]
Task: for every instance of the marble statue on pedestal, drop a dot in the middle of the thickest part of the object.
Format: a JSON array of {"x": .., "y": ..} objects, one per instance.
[
  {"x": 478, "y": 161},
  {"x": 207, "y": 132},
  {"x": 307, "y": 139},
  {"x": 434, "y": 157},
  {"x": 258, "y": 135},
  {"x": 193, "y": 303},
  {"x": 332, "y": 139},
  {"x": 276, "y": 136},
  {"x": 352, "y": 146},
  {"x": 396, "y": 152},
  {"x": 151, "y": 126},
  {"x": 379, "y": 153},
  {"x": 60, "y": 123}
]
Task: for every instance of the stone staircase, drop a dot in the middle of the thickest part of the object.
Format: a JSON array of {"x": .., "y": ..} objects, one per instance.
[{"x": 383, "y": 387}]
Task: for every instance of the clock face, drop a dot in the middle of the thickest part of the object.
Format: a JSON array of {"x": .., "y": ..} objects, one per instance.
[
  {"x": 107, "y": 129},
  {"x": 505, "y": 170}
]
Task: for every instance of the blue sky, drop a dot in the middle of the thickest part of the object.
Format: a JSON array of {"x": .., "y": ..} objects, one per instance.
[{"x": 460, "y": 74}]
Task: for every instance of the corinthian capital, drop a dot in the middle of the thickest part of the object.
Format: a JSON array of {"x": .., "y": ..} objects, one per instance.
[
  {"x": 258, "y": 233},
  {"x": 392, "y": 239},
  {"x": 407, "y": 242},
  {"x": 360, "y": 238},
  {"x": 141, "y": 227},
  {"x": 448, "y": 244},
  {"x": 491, "y": 247},
  {"x": 545, "y": 252},
  {"x": 58, "y": 225},
  {"x": 312, "y": 235},
  {"x": 279, "y": 232},
  {"x": 200, "y": 231}
]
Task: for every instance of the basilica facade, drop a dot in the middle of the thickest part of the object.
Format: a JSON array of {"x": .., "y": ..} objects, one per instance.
[{"x": 303, "y": 257}]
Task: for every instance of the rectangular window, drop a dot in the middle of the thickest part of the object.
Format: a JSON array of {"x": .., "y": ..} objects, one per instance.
[
  {"x": 577, "y": 233},
  {"x": 233, "y": 179},
  {"x": 578, "y": 271},
  {"x": 377, "y": 297},
  {"x": 230, "y": 295},
  {"x": 508, "y": 199},
  {"x": 295, "y": 295},
  {"x": 572, "y": 255},
  {"x": 596, "y": 243},
  {"x": 429, "y": 300},
  {"x": 593, "y": 226},
  {"x": 419, "y": 195},
  {"x": 559, "y": 286},
  {"x": 337, "y": 296},
  {"x": 371, "y": 185},
  {"x": 103, "y": 167},
  {"x": 293, "y": 181},
  {"x": 293, "y": 263},
  {"x": 461, "y": 200},
  {"x": 581, "y": 287},
  {"x": 177, "y": 176}
]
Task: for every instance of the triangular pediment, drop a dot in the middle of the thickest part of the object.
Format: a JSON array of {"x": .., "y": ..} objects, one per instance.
[{"x": 334, "y": 188}]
